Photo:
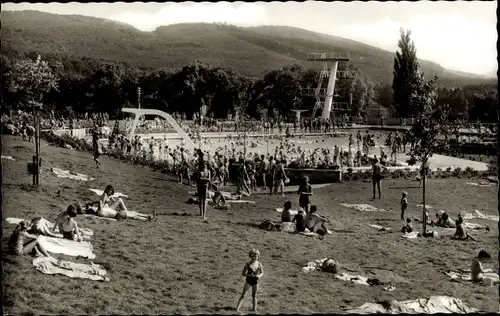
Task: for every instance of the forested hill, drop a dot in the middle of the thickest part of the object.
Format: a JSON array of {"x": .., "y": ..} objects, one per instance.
[{"x": 251, "y": 51}]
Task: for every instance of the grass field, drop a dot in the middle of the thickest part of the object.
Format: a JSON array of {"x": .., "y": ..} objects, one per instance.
[{"x": 179, "y": 264}]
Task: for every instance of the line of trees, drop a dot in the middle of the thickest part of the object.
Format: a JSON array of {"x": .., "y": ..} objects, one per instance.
[{"x": 108, "y": 86}]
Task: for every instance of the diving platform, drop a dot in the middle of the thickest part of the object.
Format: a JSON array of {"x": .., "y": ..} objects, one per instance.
[{"x": 338, "y": 56}]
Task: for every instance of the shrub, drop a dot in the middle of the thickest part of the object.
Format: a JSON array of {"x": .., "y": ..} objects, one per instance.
[{"x": 457, "y": 172}]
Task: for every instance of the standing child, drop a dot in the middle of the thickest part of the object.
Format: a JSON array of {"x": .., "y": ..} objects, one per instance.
[
  {"x": 305, "y": 191},
  {"x": 404, "y": 205},
  {"x": 253, "y": 271}
]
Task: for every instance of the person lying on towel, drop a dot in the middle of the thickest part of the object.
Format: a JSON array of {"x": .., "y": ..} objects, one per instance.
[
  {"x": 316, "y": 223},
  {"x": 67, "y": 225},
  {"x": 23, "y": 243}
]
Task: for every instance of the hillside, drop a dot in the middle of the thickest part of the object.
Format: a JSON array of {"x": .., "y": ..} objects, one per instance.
[{"x": 252, "y": 51}]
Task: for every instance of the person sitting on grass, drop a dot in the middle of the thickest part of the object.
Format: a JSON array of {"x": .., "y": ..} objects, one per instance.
[
  {"x": 305, "y": 191},
  {"x": 316, "y": 223},
  {"x": 106, "y": 207},
  {"x": 477, "y": 267},
  {"x": 286, "y": 216},
  {"x": 253, "y": 271},
  {"x": 407, "y": 228},
  {"x": 299, "y": 221},
  {"x": 23, "y": 243},
  {"x": 444, "y": 220},
  {"x": 67, "y": 225},
  {"x": 461, "y": 232}
]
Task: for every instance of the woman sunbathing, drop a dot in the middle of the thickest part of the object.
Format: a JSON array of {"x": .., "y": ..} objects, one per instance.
[
  {"x": 67, "y": 225},
  {"x": 22, "y": 243},
  {"x": 108, "y": 204}
]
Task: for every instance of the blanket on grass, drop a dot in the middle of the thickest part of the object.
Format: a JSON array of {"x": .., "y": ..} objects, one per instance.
[
  {"x": 288, "y": 227},
  {"x": 363, "y": 207},
  {"x": 464, "y": 275},
  {"x": 432, "y": 305},
  {"x": 7, "y": 157},
  {"x": 230, "y": 198},
  {"x": 44, "y": 227},
  {"x": 481, "y": 184},
  {"x": 292, "y": 212},
  {"x": 99, "y": 217},
  {"x": 116, "y": 195},
  {"x": 477, "y": 214},
  {"x": 49, "y": 265},
  {"x": 426, "y": 206},
  {"x": 67, "y": 247},
  {"x": 60, "y": 173},
  {"x": 317, "y": 265},
  {"x": 381, "y": 228}
]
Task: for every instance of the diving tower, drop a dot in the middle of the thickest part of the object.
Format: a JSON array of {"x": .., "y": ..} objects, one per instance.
[{"x": 328, "y": 93}]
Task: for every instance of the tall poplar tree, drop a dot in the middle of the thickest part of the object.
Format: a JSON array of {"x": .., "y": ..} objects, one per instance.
[{"x": 405, "y": 73}]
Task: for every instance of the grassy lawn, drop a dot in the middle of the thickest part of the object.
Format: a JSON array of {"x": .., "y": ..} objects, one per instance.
[{"x": 179, "y": 264}]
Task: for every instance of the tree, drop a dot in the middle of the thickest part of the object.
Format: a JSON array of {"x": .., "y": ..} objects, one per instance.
[
  {"x": 405, "y": 72},
  {"x": 33, "y": 79},
  {"x": 431, "y": 128}
]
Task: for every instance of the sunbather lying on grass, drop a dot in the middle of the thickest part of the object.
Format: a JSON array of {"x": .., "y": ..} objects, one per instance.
[
  {"x": 22, "y": 243},
  {"x": 67, "y": 225}
]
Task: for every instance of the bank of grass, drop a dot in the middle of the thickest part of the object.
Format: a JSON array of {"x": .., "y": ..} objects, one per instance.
[{"x": 179, "y": 264}]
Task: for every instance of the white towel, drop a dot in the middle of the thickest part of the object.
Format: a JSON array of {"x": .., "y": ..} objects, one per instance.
[
  {"x": 466, "y": 276},
  {"x": 99, "y": 217},
  {"x": 411, "y": 235},
  {"x": 116, "y": 195},
  {"x": 364, "y": 207},
  {"x": 481, "y": 184},
  {"x": 60, "y": 173},
  {"x": 426, "y": 206},
  {"x": 49, "y": 265},
  {"x": 432, "y": 305},
  {"x": 7, "y": 157},
  {"x": 379, "y": 227},
  {"x": 67, "y": 247},
  {"x": 358, "y": 279},
  {"x": 479, "y": 215}
]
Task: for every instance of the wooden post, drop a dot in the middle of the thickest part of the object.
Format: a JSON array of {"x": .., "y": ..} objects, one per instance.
[
  {"x": 33, "y": 170},
  {"x": 37, "y": 147},
  {"x": 424, "y": 178}
]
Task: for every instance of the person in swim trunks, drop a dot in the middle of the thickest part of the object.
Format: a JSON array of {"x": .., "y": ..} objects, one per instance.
[
  {"x": 253, "y": 271},
  {"x": 203, "y": 181}
]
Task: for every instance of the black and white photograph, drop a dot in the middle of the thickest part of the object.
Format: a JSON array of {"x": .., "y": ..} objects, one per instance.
[{"x": 234, "y": 158}]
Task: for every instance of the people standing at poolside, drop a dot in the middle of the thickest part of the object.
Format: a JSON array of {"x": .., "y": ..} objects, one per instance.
[
  {"x": 203, "y": 180},
  {"x": 263, "y": 169},
  {"x": 377, "y": 177},
  {"x": 279, "y": 177}
]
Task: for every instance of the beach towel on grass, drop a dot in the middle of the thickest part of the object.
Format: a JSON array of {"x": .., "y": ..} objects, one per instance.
[
  {"x": 7, "y": 157},
  {"x": 60, "y": 173},
  {"x": 427, "y": 206},
  {"x": 363, "y": 207},
  {"x": 44, "y": 227},
  {"x": 49, "y": 265},
  {"x": 230, "y": 198},
  {"x": 381, "y": 228},
  {"x": 99, "y": 217},
  {"x": 465, "y": 275},
  {"x": 481, "y": 184},
  {"x": 477, "y": 214},
  {"x": 412, "y": 235},
  {"x": 67, "y": 247},
  {"x": 432, "y": 305},
  {"x": 116, "y": 195}
]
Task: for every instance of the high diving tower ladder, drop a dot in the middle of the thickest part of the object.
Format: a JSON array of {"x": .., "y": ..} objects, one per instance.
[{"x": 324, "y": 96}]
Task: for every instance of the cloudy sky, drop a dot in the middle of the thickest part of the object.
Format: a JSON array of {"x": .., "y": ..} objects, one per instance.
[{"x": 458, "y": 35}]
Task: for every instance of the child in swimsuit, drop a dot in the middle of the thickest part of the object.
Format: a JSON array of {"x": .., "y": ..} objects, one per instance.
[{"x": 253, "y": 271}]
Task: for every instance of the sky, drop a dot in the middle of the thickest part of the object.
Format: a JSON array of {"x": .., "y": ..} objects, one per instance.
[{"x": 457, "y": 35}]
